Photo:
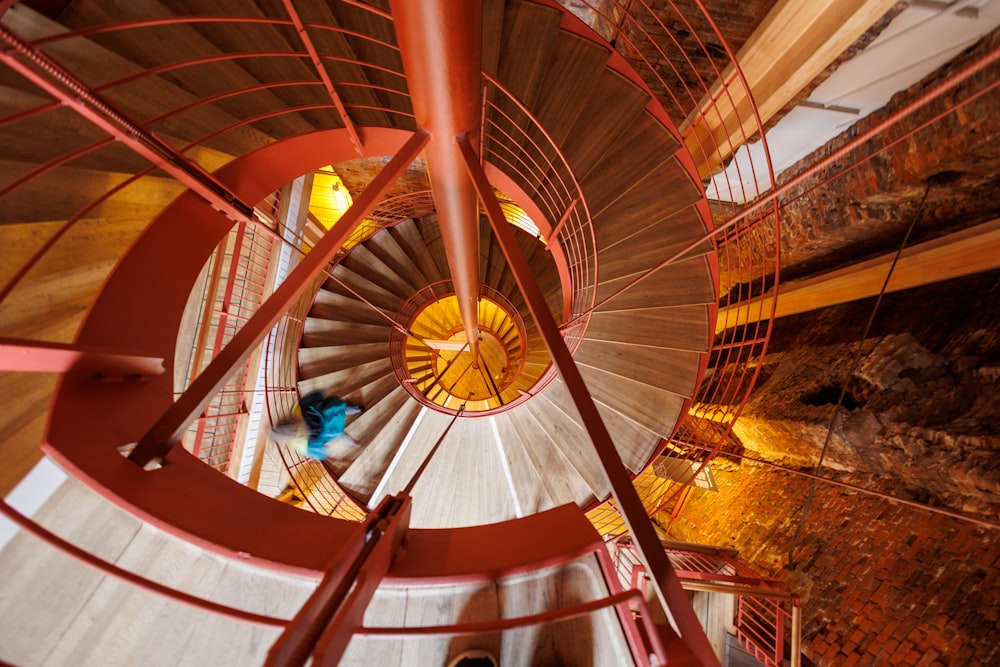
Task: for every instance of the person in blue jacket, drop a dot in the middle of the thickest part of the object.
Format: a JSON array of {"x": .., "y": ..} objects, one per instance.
[{"x": 316, "y": 421}]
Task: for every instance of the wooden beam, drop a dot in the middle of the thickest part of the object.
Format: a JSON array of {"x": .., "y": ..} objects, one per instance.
[
  {"x": 791, "y": 47},
  {"x": 963, "y": 253}
]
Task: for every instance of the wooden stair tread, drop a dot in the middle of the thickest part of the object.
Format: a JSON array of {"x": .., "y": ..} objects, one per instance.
[
  {"x": 673, "y": 370},
  {"x": 347, "y": 380},
  {"x": 356, "y": 95},
  {"x": 522, "y": 70},
  {"x": 655, "y": 409},
  {"x": 633, "y": 442},
  {"x": 560, "y": 480},
  {"x": 596, "y": 639},
  {"x": 380, "y": 435},
  {"x": 644, "y": 146},
  {"x": 685, "y": 282},
  {"x": 676, "y": 327},
  {"x": 390, "y": 253},
  {"x": 424, "y": 432},
  {"x": 661, "y": 223},
  {"x": 315, "y": 361},
  {"x": 614, "y": 104},
  {"x": 574, "y": 67},
  {"x": 348, "y": 282},
  {"x": 407, "y": 235},
  {"x": 574, "y": 443},
  {"x": 333, "y": 306},
  {"x": 321, "y": 332},
  {"x": 373, "y": 391},
  {"x": 368, "y": 266},
  {"x": 531, "y": 493},
  {"x": 100, "y": 620}
]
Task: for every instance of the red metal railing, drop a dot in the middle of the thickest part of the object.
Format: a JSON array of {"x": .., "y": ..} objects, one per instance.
[
  {"x": 518, "y": 145},
  {"x": 767, "y": 615},
  {"x": 239, "y": 272},
  {"x": 695, "y": 84},
  {"x": 309, "y": 479}
]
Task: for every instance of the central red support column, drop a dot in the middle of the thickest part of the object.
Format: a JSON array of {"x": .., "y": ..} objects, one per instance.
[{"x": 441, "y": 46}]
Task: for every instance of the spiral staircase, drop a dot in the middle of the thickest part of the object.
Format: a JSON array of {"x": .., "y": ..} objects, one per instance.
[{"x": 476, "y": 436}]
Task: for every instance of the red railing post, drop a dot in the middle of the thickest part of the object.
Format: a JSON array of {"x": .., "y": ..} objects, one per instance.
[{"x": 325, "y": 624}]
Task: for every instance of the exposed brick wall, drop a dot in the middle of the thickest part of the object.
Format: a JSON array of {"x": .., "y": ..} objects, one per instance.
[
  {"x": 357, "y": 174},
  {"x": 698, "y": 69},
  {"x": 866, "y": 211},
  {"x": 883, "y": 584}
]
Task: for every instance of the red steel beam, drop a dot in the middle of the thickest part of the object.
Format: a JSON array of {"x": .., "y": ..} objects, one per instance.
[
  {"x": 43, "y": 357},
  {"x": 327, "y": 621},
  {"x": 664, "y": 578},
  {"x": 441, "y": 47},
  {"x": 168, "y": 430}
]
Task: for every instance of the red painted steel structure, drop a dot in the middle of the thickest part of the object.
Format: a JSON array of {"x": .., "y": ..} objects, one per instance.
[
  {"x": 764, "y": 607},
  {"x": 324, "y": 626},
  {"x": 324, "y": 76},
  {"x": 33, "y": 356},
  {"x": 756, "y": 339},
  {"x": 171, "y": 425},
  {"x": 665, "y": 580},
  {"x": 66, "y": 88},
  {"x": 399, "y": 337},
  {"x": 440, "y": 43}
]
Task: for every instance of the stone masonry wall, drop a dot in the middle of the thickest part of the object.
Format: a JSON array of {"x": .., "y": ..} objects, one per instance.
[{"x": 882, "y": 584}]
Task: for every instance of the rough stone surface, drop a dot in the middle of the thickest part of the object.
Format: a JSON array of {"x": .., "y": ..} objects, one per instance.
[
  {"x": 357, "y": 174},
  {"x": 882, "y": 584},
  {"x": 917, "y": 405}
]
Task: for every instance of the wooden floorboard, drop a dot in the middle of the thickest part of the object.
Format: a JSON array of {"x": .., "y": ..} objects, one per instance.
[
  {"x": 464, "y": 483},
  {"x": 594, "y": 639}
]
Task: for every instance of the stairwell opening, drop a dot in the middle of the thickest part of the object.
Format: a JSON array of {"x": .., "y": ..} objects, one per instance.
[{"x": 435, "y": 363}]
